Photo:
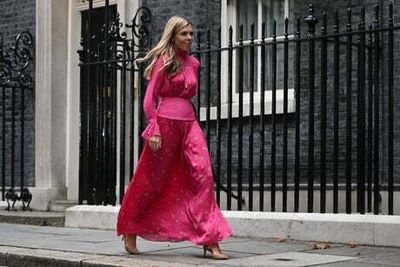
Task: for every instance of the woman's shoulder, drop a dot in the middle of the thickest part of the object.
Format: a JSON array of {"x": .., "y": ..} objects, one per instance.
[
  {"x": 159, "y": 61},
  {"x": 194, "y": 61},
  {"x": 158, "y": 66}
]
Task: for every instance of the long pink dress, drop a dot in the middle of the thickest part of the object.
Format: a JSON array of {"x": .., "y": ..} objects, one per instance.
[{"x": 171, "y": 196}]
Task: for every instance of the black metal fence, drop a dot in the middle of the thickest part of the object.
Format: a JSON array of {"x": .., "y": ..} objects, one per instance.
[
  {"x": 109, "y": 91},
  {"x": 338, "y": 138},
  {"x": 15, "y": 82},
  {"x": 298, "y": 122}
]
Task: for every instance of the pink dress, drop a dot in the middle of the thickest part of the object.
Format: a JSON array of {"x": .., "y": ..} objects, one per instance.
[{"x": 171, "y": 196}]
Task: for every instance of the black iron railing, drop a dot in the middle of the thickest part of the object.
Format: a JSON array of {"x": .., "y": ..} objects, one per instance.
[
  {"x": 339, "y": 135},
  {"x": 298, "y": 122},
  {"x": 16, "y": 69}
]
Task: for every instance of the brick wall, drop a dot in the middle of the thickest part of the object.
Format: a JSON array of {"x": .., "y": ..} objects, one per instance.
[{"x": 203, "y": 14}]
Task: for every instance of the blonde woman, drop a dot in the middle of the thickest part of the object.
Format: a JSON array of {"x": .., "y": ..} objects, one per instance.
[{"x": 171, "y": 196}]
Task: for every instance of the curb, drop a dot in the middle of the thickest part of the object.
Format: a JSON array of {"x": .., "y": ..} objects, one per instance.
[{"x": 25, "y": 257}]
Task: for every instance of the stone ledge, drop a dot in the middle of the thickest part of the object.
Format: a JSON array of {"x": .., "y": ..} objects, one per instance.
[
  {"x": 378, "y": 230},
  {"x": 92, "y": 217},
  {"x": 41, "y": 218}
]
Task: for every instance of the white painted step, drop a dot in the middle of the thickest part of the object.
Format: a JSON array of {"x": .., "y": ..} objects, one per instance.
[{"x": 62, "y": 205}]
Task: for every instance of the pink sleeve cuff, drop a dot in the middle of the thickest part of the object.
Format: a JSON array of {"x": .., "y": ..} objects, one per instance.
[{"x": 151, "y": 129}]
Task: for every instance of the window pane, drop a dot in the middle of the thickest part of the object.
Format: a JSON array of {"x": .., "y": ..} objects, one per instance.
[
  {"x": 273, "y": 9},
  {"x": 247, "y": 69},
  {"x": 247, "y": 14}
]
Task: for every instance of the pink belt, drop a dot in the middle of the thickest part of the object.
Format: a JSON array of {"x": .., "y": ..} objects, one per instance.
[{"x": 176, "y": 108}]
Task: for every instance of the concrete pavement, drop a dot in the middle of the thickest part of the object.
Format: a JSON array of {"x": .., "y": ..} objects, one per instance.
[{"x": 30, "y": 245}]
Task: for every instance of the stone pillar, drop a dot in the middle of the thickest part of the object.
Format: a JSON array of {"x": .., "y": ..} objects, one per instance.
[
  {"x": 73, "y": 99},
  {"x": 51, "y": 102}
]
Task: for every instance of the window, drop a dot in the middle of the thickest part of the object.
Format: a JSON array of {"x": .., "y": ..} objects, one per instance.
[{"x": 246, "y": 12}]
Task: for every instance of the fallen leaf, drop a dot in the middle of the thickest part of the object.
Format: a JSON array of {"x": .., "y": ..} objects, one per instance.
[
  {"x": 282, "y": 239},
  {"x": 318, "y": 246},
  {"x": 352, "y": 244}
]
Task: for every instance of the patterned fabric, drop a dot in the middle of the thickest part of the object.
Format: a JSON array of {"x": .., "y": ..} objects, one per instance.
[
  {"x": 182, "y": 86},
  {"x": 171, "y": 195}
]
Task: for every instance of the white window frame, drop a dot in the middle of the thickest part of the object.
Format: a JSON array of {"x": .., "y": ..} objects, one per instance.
[
  {"x": 229, "y": 17},
  {"x": 82, "y": 5}
]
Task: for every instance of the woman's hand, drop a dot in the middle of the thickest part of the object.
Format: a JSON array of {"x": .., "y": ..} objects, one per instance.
[{"x": 155, "y": 142}]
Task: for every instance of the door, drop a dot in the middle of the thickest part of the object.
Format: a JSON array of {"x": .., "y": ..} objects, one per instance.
[{"x": 97, "y": 110}]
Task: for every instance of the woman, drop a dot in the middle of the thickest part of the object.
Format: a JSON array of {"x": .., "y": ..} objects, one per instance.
[{"x": 171, "y": 196}]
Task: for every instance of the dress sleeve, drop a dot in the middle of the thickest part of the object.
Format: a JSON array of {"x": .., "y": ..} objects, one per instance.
[
  {"x": 196, "y": 66},
  {"x": 157, "y": 79}
]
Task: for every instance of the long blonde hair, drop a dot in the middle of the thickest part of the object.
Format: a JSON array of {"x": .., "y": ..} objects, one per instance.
[{"x": 165, "y": 48}]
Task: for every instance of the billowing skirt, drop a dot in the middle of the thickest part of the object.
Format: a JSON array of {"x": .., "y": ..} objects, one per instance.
[{"x": 171, "y": 195}]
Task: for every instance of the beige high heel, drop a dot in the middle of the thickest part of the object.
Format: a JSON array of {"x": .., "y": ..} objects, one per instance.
[
  {"x": 130, "y": 251},
  {"x": 215, "y": 255}
]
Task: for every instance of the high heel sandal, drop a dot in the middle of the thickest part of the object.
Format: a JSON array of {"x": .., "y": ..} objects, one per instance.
[
  {"x": 130, "y": 251},
  {"x": 216, "y": 256}
]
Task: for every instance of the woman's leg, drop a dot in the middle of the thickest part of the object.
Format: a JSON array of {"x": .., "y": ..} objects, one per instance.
[{"x": 130, "y": 244}]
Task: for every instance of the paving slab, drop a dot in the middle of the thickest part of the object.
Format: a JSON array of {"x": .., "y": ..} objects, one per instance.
[
  {"x": 128, "y": 262},
  {"x": 389, "y": 258},
  {"x": 30, "y": 245},
  {"x": 193, "y": 255},
  {"x": 266, "y": 246},
  {"x": 73, "y": 239},
  {"x": 351, "y": 264},
  {"x": 287, "y": 259},
  {"x": 386, "y": 256},
  {"x": 17, "y": 256},
  {"x": 359, "y": 251}
]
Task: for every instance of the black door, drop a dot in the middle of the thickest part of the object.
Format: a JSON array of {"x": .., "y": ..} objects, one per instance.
[{"x": 97, "y": 111}]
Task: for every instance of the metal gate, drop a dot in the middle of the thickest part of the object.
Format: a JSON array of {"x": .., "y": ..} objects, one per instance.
[
  {"x": 16, "y": 68},
  {"x": 109, "y": 92}
]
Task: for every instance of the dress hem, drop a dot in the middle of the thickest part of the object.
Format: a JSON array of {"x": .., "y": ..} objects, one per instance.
[{"x": 167, "y": 239}]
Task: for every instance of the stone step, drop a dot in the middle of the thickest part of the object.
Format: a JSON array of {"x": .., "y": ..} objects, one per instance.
[
  {"x": 41, "y": 218},
  {"x": 61, "y": 205}
]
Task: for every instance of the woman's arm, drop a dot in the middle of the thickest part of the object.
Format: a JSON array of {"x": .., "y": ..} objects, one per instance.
[
  {"x": 157, "y": 79},
  {"x": 196, "y": 65}
]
